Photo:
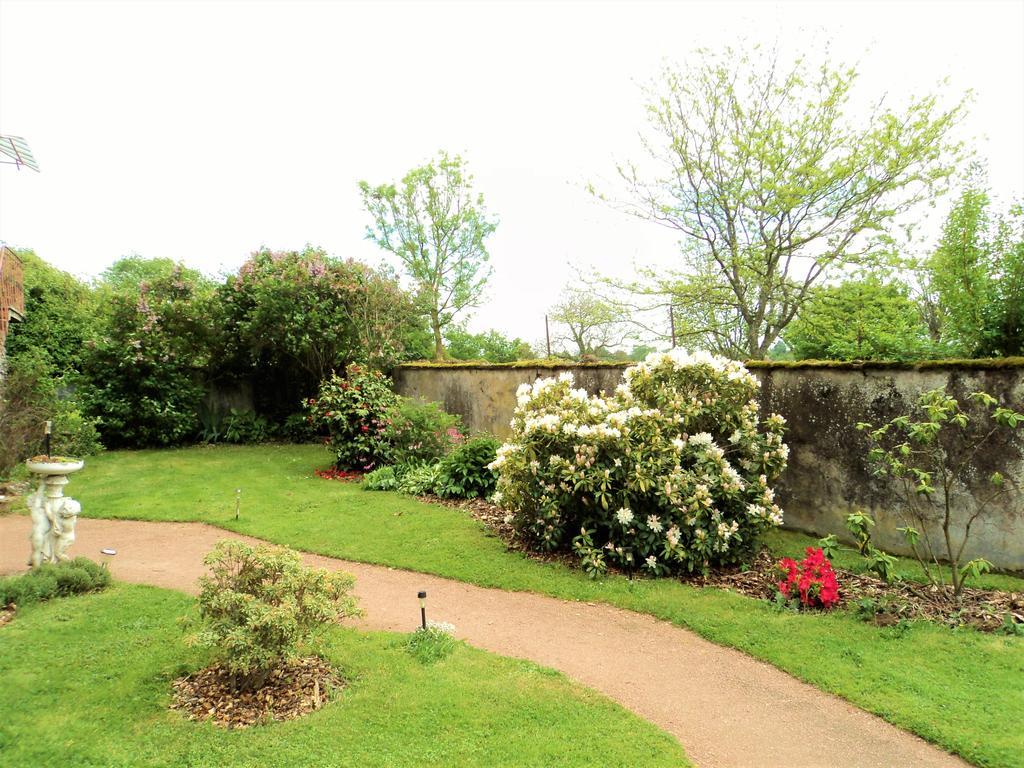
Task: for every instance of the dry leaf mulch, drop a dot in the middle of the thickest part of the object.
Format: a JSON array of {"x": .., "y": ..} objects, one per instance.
[
  {"x": 294, "y": 690},
  {"x": 984, "y": 609},
  {"x": 6, "y": 614}
]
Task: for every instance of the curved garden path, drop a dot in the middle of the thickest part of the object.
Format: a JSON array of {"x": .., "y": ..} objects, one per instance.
[{"x": 726, "y": 708}]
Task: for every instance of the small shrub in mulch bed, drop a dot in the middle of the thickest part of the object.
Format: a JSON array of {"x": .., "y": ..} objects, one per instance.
[{"x": 292, "y": 690}]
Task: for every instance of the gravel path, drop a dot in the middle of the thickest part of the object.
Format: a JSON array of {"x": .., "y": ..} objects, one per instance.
[{"x": 724, "y": 707}]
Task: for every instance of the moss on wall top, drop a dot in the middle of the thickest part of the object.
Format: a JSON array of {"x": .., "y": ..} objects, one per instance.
[{"x": 999, "y": 362}]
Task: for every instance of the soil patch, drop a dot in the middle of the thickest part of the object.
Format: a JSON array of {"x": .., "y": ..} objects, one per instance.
[{"x": 293, "y": 690}]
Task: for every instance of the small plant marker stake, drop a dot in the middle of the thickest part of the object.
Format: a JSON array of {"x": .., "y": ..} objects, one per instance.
[
  {"x": 423, "y": 608},
  {"x": 238, "y": 501}
]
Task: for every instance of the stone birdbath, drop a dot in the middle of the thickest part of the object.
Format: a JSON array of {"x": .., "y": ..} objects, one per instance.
[{"x": 53, "y": 514}]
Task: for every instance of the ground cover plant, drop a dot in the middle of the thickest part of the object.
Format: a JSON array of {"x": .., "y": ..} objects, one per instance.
[
  {"x": 957, "y": 688},
  {"x": 51, "y": 580},
  {"x": 119, "y": 651}
]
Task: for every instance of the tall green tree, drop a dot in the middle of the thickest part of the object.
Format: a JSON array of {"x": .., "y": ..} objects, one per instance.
[
  {"x": 859, "y": 320},
  {"x": 775, "y": 184},
  {"x": 490, "y": 346},
  {"x": 977, "y": 277},
  {"x": 435, "y": 223},
  {"x": 588, "y": 322},
  {"x": 62, "y": 313}
]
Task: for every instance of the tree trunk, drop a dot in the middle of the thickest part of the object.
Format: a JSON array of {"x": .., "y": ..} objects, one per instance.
[{"x": 435, "y": 324}]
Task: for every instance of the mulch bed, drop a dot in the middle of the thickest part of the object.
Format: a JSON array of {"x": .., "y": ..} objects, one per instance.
[
  {"x": 297, "y": 689},
  {"x": 345, "y": 476},
  {"x": 984, "y": 609}
]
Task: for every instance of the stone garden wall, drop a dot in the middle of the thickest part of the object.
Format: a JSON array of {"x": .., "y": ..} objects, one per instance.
[{"x": 827, "y": 477}]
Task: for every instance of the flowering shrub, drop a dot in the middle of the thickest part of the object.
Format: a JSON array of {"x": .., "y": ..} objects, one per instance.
[
  {"x": 354, "y": 412},
  {"x": 812, "y": 581},
  {"x": 671, "y": 472}
]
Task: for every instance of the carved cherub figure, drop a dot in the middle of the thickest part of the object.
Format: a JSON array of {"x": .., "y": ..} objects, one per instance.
[
  {"x": 41, "y": 524},
  {"x": 63, "y": 532}
]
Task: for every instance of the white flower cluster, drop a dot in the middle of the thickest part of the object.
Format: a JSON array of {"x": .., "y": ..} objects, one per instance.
[{"x": 674, "y": 465}]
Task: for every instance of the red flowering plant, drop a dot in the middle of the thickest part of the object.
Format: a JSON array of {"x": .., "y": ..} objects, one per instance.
[
  {"x": 812, "y": 581},
  {"x": 354, "y": 412}
]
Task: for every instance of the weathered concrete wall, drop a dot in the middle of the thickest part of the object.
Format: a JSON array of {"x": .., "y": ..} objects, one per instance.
[{"x": 827, "y": 477}]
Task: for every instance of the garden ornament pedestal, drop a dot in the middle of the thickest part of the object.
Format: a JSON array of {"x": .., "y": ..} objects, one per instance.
[{"x": 53, "y": 514}]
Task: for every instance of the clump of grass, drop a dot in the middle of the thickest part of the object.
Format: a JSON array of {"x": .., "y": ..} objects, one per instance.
[
  {"x": 433, "y": 643},
  {"x": 54, "y": 580}
]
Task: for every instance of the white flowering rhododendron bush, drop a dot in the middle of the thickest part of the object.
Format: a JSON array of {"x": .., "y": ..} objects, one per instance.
[{"x": 671, "y": 473}]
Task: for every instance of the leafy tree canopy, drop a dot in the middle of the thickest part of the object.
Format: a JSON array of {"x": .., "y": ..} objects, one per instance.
[
  {"x": 61, "y": 314},
  {"x": 490, "y": 346},
  {"x": 774, "y": 187},
  {"x": 435, "y": 223},
  {"x": 130, "y": 272},
  {"x": 976, "y": 276},
  {"x": 859, "y": 320}
]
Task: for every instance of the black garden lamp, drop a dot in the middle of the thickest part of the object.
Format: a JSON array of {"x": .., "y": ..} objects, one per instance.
[{"x": 423, "y": 608}]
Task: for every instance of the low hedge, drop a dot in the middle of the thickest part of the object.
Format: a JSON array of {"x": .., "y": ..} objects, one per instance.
[{"x": 54, "y": 580}]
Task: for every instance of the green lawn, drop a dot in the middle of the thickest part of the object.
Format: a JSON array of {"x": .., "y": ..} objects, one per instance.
[
  {"x": 86, "y": 682},
  {"x": 963, "y": 690}
]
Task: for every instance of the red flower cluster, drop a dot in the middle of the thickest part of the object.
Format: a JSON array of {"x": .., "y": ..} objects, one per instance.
[
  {"x": 812, "y": 580},
  {"x": 339, "y": 474}
]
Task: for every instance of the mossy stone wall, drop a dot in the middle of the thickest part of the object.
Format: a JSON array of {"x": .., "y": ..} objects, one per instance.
[{"x": 827, "y": 477}]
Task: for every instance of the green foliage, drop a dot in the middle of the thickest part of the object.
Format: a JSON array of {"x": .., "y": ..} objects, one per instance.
[
  {"x": 419, "y": 432},
  {"x": 129, "y": 273},
  {"x": 977, "y": 275},
  {"x": 589, "y": 323},
  {"x": 144, "y": 377},
  {"x": 859, "y": 320},
  {"x": 671, "y": 473},
  {"x": 465, "y": 472},
  {"x": 354, "y": 411},
  {"x": 434, "y": 223},
  {"x": 431, "y": 645},
  {"x": 859, "y": 524},
  {"x": 72, "y": 577},
  {"x": 61, "y": 315},
  {"x": 418, "y": 479},
  {"x": 293, "y": 318},
  {"x": 381, "y": 479},
  {"x": 491, "y": 346},
  {"x": 245, "y": 427},
  {"x": 931, "y": 457},
  {"x": 775, "y": 185},
  {"x": 28, "y": 398},
  {"x": 260, "y": 607}
]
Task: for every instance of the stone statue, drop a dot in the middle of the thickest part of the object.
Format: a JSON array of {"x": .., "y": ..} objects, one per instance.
[
  {"x": 63, "y": 532},
  {"x": 54, "y": 516}
]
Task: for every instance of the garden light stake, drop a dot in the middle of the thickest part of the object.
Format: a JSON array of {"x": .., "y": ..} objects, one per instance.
[{"x": 423, "y": 608}]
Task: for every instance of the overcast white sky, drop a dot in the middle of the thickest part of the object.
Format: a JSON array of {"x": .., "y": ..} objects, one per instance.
[{"x": 202, "y": 130}]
